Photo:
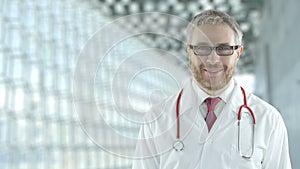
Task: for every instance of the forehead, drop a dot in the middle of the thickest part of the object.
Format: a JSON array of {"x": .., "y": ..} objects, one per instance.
[{"x": 213, "y": 34}]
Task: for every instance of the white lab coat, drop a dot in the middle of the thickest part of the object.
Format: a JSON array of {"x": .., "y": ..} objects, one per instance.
[{"x": 217, "y": 149}]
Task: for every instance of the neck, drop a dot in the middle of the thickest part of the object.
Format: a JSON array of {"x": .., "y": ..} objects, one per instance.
[{"x": 214, "y": 92}]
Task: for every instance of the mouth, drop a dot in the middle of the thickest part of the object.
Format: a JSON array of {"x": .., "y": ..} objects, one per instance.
[{"x": 213, "y": 71}]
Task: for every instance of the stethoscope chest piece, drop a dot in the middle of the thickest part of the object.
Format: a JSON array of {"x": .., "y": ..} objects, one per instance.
[{"x": 178, "y": 145}]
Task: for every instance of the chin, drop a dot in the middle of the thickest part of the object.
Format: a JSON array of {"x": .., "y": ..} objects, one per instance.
[
  {"x": 213, "y": 86},
  {"x": 212, "y": 83}
]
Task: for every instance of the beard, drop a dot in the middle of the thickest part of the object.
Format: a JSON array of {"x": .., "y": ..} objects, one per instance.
[{"x": 211, "y": 82}]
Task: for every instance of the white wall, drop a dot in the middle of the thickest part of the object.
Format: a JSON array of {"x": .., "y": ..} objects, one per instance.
[{"x": 278, "y": 65}]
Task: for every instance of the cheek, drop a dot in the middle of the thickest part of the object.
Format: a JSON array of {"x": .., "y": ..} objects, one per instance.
[
  {"x": 230, "y": 62},
  {"x": 193, "y": 60}
]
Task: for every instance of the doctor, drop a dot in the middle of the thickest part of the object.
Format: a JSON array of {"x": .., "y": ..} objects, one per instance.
[{"x": 198, "y": 128}]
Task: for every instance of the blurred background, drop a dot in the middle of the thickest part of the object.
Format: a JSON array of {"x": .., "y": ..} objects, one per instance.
[{"x": 42, "y": 41}]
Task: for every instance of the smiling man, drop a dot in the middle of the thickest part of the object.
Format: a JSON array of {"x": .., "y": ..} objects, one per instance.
[
  {"x": 213, "y": 54},
  {"x": 213, "y": 123}
]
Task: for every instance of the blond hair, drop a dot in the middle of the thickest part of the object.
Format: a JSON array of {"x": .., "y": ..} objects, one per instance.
[{"x": 213, "y": 17}]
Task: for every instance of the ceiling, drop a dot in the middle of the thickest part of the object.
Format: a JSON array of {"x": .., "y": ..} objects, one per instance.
[{"x": 246, "y": 12}]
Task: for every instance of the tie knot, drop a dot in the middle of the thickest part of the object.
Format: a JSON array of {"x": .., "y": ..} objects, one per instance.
[{"x": 211, "y": 103}]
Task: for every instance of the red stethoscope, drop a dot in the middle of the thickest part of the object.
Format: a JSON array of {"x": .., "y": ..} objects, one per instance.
[{"x": 178, "y": 144}]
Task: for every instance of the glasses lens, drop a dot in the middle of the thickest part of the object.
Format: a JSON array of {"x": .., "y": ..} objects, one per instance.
[
  {"x": 202, "y": 50},
  {"x": 224, "y": 50}
]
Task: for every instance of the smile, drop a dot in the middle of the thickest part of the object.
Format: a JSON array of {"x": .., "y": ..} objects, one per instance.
[{"x": 213, "y": 71}]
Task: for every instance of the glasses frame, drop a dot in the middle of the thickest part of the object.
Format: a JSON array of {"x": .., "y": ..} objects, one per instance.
[{"x": 233, "y": 47}]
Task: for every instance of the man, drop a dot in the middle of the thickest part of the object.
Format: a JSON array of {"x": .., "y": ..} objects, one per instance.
[{"x": 199, "y": 128}]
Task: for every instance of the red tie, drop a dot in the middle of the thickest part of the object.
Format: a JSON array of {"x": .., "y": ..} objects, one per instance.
[{"x": 211, "y": 116}]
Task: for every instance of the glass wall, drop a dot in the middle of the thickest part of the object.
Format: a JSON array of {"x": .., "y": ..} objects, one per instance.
[{"x": 41, "y": 44}]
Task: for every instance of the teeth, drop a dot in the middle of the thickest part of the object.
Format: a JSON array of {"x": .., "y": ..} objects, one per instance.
[{"x": 213, "y": 71}]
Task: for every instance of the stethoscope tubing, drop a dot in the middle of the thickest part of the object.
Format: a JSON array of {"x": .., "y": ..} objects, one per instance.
[
  {"x": 177, "y": 114},
  {"x": 178, "y": 144}
]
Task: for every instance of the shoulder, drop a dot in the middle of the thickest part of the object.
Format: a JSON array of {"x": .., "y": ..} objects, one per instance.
[
  {"x": 167, "y": 105},
  {"x": 265, "y": 113},
  {"x": 161, "y": 108},
  {"x": 257, "y": 102}
]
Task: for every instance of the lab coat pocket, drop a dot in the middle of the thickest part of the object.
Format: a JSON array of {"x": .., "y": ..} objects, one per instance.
[{"x": 239, "y": 162}]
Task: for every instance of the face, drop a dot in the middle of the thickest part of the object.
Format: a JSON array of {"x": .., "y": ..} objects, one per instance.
[{"x": 213, "y": 72}]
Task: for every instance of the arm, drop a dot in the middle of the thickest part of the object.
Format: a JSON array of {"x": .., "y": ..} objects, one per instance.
[{"x": 277, "y": 154}]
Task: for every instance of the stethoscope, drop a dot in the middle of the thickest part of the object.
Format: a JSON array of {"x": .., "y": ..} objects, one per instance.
[{"x": 179, "y": 146}]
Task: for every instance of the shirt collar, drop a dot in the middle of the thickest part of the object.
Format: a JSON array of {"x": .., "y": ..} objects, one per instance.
[
  {"x": 201, "y": 95},
  {"x": 225, "y": 96}
]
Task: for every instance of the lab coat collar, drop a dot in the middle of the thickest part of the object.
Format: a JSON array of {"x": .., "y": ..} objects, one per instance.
[
  {"x": 236, "y": 99},
  {"x": 190, "y": 99},
  {"x": 225, "y": 96}
]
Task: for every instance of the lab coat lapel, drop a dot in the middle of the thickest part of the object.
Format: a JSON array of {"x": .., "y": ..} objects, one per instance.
[
  {"x": 190, "y": 117},
  {"x": 236, "y": 100},
  {"x": 188, "y": 99},
  {"x": 189, "y": 113}
]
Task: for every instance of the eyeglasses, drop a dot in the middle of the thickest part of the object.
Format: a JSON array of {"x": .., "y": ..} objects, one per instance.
[{"x": 222, "y": 50}]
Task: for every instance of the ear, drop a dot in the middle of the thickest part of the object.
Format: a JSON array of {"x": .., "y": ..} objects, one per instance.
[
  {"x": 240, "y": 51},
  {"x": 188, "y": 50}
]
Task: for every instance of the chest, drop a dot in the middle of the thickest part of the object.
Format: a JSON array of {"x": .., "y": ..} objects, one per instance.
[{"x": 221, "y": 144}]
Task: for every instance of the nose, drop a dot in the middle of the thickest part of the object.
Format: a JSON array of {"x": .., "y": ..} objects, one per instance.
[{"x": 213, "y": 58}]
